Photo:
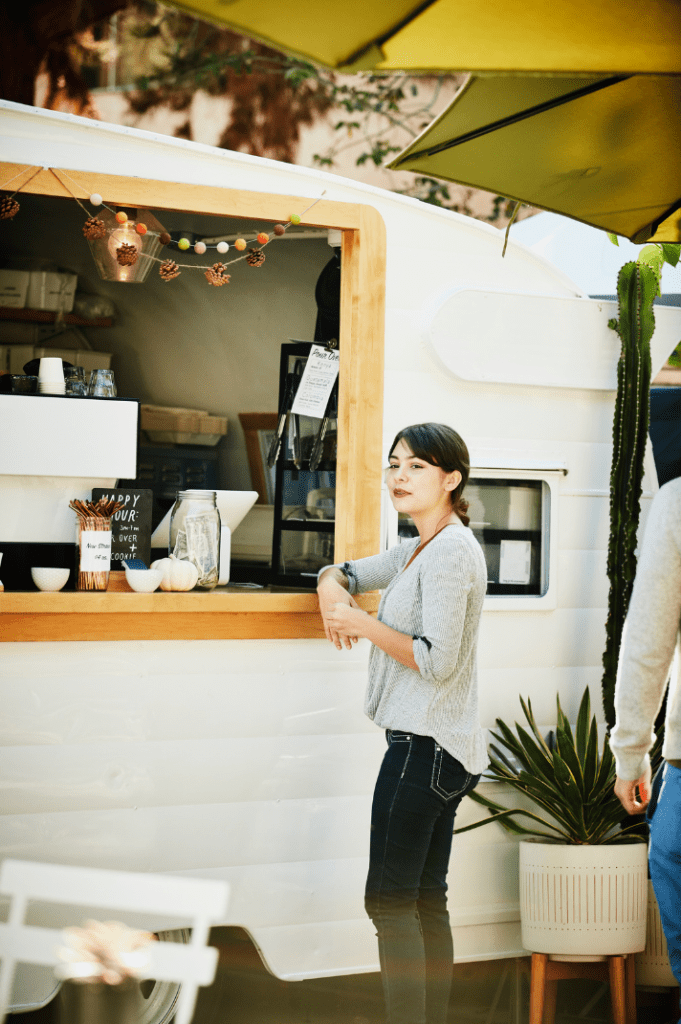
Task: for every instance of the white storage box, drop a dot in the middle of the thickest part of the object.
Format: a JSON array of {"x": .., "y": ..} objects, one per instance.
[
  {"x": 86, "y": 358},
  {"x": 50, "y": 290},
  {"x": 13, "y": 288},
  {"x": 19, "y": 355}
]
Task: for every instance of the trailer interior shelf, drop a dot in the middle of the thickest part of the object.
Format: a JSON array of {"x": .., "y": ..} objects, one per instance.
[{"x": 48, "y": 316}]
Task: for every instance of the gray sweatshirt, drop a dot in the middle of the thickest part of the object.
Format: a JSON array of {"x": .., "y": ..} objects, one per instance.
[
  {"x": 649, "y": 641},
  {"x": 437, "y": 600}
]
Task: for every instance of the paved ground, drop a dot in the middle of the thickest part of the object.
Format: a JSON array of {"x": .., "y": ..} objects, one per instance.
[{"x": 482, "y": 993}]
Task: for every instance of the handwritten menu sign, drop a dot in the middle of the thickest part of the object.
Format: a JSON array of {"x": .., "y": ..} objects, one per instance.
[
  {"x": 131, "y": 526},
  {"x": 317, "y": 382}
]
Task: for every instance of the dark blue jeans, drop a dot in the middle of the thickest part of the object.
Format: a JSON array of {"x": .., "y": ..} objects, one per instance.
[
  {"x": 664, "y": 857},
  {"x": 418, "y": 790}
]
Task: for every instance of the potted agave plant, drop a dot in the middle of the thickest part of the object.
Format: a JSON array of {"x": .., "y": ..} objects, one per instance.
[{"x": 583, "y": 875}]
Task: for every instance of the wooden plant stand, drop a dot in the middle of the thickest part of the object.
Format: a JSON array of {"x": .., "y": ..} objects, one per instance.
[{"x": 546, "y": 972}]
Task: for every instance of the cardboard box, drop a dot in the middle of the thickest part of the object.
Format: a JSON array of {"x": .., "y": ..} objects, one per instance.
[
  {"x": 13, "y": 288},
  {"x": 50, "y": 290},
  {"x": 170, "y": 425}
]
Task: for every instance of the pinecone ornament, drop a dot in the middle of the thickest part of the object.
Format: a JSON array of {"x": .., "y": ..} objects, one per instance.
[
  {"x": 255, "y": 257},
  {"x": 94, "y": 228},
  {"x": 168, "y": 270},
  {"x": 216, "y": 275},
  {"x": 9, "y": 207},
  {"x": 126, "y": 255}
]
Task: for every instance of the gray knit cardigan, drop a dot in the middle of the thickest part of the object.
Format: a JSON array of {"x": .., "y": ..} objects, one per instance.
[{"x": 437, "y": 600}]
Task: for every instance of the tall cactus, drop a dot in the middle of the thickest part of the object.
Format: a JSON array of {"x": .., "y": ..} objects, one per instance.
[{"x": 637, "y": 286}]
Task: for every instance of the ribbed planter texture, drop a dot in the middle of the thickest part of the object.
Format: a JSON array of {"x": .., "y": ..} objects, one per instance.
[
  {"x": 652, "y": 965},
  {"x": 583, "y": 900}
]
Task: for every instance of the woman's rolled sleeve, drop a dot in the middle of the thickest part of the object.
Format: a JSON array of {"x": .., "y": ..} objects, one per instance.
[
  {"x": 372, "y": 573},
  {"x": 444, "y": 596}
]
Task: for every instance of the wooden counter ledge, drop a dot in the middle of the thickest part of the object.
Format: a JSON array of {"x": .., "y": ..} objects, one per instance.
[{"x": 226, "y": 613}]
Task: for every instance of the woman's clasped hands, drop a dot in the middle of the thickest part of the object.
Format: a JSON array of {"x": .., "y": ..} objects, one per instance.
[
  {"x": 344, "y": 621},
  {"x": 348, "y": 623}
]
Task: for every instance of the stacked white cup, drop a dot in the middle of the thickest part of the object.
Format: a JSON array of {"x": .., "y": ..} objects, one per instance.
[{"x": 51, "y": 376}]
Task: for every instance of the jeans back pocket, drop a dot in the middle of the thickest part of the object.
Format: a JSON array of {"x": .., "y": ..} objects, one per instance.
[{"x": 450, "y": 779}]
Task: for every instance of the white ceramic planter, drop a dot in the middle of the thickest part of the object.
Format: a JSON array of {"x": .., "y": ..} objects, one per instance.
[
  {"x": 583, "y": 900},
  {"x": 652, "y": 965}
]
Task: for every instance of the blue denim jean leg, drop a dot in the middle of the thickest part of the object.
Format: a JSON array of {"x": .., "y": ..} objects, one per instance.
[
  {"x": 418, "y": 791},
  {"x": 664, "y": 859}
]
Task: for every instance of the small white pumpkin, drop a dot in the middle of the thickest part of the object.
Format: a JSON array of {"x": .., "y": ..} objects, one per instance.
[{"x": 178, "y": 574}]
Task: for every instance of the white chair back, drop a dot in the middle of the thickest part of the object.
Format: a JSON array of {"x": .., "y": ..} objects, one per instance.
[{"x": 200, "y": 902}]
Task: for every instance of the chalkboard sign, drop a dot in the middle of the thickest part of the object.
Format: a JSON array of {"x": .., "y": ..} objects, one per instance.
[{"x": 131, "y": 526}]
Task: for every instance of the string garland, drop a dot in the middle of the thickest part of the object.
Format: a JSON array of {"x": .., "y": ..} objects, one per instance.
[
  {"x": 9, "y": 207},
  {"x": 127, "y": 254}
]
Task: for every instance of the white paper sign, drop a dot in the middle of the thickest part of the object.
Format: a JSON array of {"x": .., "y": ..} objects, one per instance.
[
  {"x": 316, "y": 383},
  {"x": 514, "y": 563},
  {"x": 95, "y": 550}
]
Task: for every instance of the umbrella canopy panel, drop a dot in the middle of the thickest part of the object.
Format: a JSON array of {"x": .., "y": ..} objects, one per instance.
[
  {"x": 457, "y": 35},
  {"x": 603, "y": 151}
]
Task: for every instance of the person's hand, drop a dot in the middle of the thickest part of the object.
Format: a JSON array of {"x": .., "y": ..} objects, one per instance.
[
  {"x": 347, "y": 621},
  {"x": 330, "y": 593},
  {"x": 625, "y": 791}
]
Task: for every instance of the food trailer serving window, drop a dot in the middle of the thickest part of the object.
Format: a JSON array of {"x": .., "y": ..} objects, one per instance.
[
  {"x": 506, "y": 517},
  {"x": 513, "y": 516}
]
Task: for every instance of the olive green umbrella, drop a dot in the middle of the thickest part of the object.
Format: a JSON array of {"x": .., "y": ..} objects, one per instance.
[
  {"x": 583, "y": 36},
  {"x": 605, "y": 151}
]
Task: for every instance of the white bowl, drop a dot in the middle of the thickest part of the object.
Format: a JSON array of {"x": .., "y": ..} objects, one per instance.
[
  {"x": 144, "y": 581},
  {"x": 49, "y": 579}
]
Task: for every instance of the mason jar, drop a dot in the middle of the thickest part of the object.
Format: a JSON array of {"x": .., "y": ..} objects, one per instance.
[{"x": 195, "y": 534}]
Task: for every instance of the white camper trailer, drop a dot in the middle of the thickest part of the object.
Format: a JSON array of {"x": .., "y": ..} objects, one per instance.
[{"x": 218, "y": 734}]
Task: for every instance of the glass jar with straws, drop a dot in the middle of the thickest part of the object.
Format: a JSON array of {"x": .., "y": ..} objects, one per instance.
[{"x": 94, "y": 542}]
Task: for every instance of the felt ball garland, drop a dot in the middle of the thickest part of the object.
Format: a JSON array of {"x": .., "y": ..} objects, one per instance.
[{"x": 127, "y": 254}]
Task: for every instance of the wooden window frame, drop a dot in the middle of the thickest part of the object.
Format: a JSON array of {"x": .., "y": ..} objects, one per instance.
[{"x": 360, "y": 407}]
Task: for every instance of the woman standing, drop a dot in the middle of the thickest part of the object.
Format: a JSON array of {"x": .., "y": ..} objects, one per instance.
[{"x": 423, "y": 691}]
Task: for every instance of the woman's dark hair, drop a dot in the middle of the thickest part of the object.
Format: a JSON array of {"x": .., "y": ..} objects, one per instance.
[{"x": 441, "y": 446}]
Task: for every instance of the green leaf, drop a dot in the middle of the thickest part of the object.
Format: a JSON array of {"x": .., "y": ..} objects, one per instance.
[
  {"x": 582, "y": 729},
  {"x": 569, "y": 790},
  {"x": 508, "y": 740},
  {"x": 671, "y": 252},
  {"x": 565, "y": 745},
  {"x": 591, "y": 761},
  {"x": 529, "y": 715},
  {"x": 537, "y": 758},
  {"x": 505, "y": 816},
  {"x": 653, "y": 257},
  {"x": 613, "y": 238}
]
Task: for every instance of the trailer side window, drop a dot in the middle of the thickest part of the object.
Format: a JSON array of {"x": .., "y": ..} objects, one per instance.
[{"x": 510, "y": 518}]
